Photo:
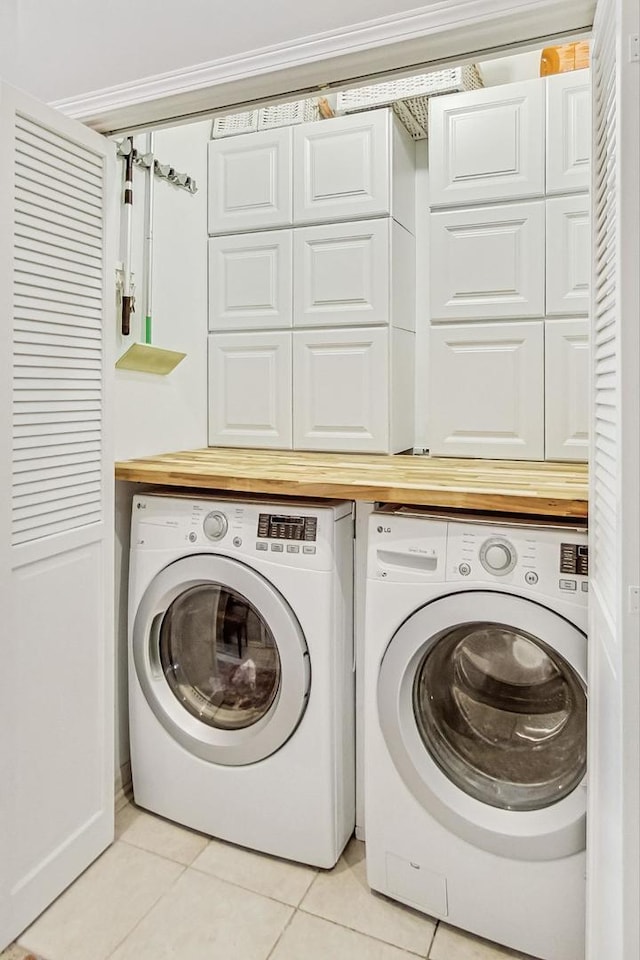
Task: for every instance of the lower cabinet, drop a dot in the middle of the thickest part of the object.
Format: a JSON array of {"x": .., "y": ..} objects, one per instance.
[
  {"x": 486, "y": 392},
  {"x": 567, "y": 389},
  {"x": 353, "y": 390},
  {"x": 343, "y": 390},
  {"x": 250, "y": 389}
]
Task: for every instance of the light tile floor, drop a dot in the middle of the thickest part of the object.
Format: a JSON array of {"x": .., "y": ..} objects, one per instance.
[{"x": 162, "y": 892}]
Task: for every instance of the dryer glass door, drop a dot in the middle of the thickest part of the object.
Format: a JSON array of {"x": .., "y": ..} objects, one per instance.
[
  {"x": 221, "y": 659},
  {"x": 502, "y": 714},
  {"x": 219, "y": 656}
]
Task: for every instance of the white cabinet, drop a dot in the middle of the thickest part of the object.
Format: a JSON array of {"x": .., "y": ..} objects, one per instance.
[
  {"x": 250, "y": 389},
  {"x": 353, "y": 167},
  {"x": 487, "y": 144},
  {"x": 569, "y": 132},
  {"x": 360, "y": 272},
  {"x": 568, "y": 255},
  {"x": 488, "y": 262},
  {"x": 353, "y": 390},
  {"x": 486, "y": 396},
  {"x": 250, "y": 182},
  {"x": 250, "y": 281},
  {"x": 567, "y": 389}
]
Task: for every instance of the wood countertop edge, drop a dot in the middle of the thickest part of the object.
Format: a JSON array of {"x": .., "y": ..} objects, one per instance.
[{"x": 468, "y": 496}]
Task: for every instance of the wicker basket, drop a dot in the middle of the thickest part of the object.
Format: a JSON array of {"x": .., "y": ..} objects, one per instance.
[
  {"x": 285, "y": 114},
  {"x": 409, "y": 96},
  {"x": 280, "y": 115},
  {"x": 234, "y": 124}
]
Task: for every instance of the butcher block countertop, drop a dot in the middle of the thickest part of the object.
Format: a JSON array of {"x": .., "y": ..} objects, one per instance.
[{"x": 505, "y": 486}]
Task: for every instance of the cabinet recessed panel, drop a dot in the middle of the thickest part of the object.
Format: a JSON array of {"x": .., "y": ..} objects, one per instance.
[
  {"x": 250, "y": 389},
  {"x": 342, "y": 168},
  {"x": 569, "y": 132},
  {"x": 487, "y": 144},
  {"x": 487, "y": 262},
  {"x": 250, "y": 281},
  {"x": 486, "y": 391},
  {"x": 340, "y": 390},
  {"x": 341, "y": 274},
  {"x": 568, "y": 255},
  {"x": 250, "y": 182},
  {"x": 567, "y": 389}
]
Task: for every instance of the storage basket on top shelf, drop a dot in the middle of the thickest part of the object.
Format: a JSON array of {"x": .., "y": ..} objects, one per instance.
[
  {"x": 266, "y": 118},
  {"x": 408, "y": 96}
]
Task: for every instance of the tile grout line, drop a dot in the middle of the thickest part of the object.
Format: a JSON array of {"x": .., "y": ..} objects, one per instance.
[
  {"x": 152, "y": 907},
  {"x": 433, "y": 939},
  {"x": 369, "y": 936},
  {"x": 282, "y": 933}
]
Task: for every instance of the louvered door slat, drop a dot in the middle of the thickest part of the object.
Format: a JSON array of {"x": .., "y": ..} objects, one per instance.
[
  {"x": 57, "y": 343},
  {"x": 30, "y": 222},
  {"x": 60, "y": 176},
  {"x": 72, "y": 264},
  {"x": 34, "y": 143}
]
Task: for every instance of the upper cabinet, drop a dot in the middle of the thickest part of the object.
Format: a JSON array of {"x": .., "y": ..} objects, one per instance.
[
  {"x": 569, "y": 132},
  {"x": 487, "y": 144},
  {"x": 347, "y": 168},
  {"x": 353, "y": 167},
  {"x": 488, "y": 262},
  {"x": 250, "y": 182}
]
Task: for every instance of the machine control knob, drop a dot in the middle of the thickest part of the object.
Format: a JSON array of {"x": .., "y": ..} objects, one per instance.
[
  {"x": 498, "y": 556},
  {"x": 215, "y": 525}
]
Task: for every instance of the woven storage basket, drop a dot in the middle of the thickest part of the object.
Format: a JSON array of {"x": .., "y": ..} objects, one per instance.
[
  {"x": 409, "y": 96},
  {"x": 234, "y": 124},
  {"x": 284, "y": 114}
]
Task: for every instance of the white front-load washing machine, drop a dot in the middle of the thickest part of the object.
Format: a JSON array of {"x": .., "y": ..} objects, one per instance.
[
  {"x": 241, "y": 684},
  {"x": 476, "y": 725}
]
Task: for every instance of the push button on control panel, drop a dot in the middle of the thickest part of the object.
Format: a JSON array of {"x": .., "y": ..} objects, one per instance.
[
  {"x": 262, "y": 546},
  {"x": 308, "y": 549},
  {"x": 277, "y": 547},
  {"x": 464, "y": 569},
  {"x": 568, "y": 585},
  {"x": 531, "y": 577}
]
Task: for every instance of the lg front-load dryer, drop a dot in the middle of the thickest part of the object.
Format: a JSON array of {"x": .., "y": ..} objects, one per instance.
[
  {"x": 476, "y": 725},
  {"x": 241, "y": 685}
]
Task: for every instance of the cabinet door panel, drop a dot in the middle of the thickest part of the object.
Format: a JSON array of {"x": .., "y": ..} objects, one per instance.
[
  {"x": 486, "y": 391},
  {"x": 250, "y": 389},
  {"x": 250, "y": 182},
  {"x": 341, "y": 274},
  {"x": 250, "y": 281},
  {"x": 568, "y": 255},
  {"x": 569, "y": 132},
  {"x": 488, "y": 262},
  {"x": 487, "y": 144},
  {"x": 342, "y": 168},
  {"x": 340, "y": 390},
  {"x": 567, "y": 389}
]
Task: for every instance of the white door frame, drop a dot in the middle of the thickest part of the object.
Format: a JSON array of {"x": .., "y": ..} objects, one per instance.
[{"x": 444, "y": 32}]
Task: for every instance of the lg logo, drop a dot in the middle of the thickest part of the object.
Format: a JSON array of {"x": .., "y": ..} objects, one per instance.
[{"x": 384, "y": 529}]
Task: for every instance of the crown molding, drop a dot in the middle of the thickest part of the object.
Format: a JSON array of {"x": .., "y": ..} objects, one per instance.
[{"x": 431, "y": 34}]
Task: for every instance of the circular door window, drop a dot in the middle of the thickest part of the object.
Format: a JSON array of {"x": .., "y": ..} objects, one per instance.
[
  {"x": 503, "y": 715},
  {"x": 482, "y": 704},
  {"x": 221, "y": 659}
]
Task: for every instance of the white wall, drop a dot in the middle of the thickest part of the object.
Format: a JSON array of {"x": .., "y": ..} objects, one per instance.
[
  {"x": 63, "y": 48},
  {"x": 155, "y": 414}
]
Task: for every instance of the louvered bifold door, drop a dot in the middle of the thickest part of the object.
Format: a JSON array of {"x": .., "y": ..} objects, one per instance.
[
  {"x": 56, "y": 575},
  {"x": 614, "y": 511}
]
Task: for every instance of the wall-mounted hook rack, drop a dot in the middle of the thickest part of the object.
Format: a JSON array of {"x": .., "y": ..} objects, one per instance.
[{"x": 164, "y": 171}]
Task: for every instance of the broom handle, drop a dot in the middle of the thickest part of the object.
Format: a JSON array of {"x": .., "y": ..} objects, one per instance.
[
  {"x": 127, "y": 297},
  {"x": 149, "y": 242}
]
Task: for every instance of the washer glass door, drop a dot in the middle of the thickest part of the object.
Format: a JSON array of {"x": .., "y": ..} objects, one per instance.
[
  {"x": 482, "y": 704},
  {"x": 221, "y": 659},
  {"x": 503, "y": 715}
]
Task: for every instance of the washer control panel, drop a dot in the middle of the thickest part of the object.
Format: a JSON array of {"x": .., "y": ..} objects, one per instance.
[{"x": 546, "y": 560}]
